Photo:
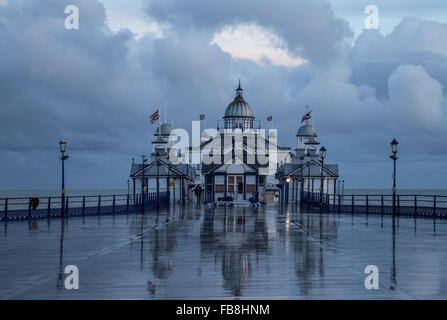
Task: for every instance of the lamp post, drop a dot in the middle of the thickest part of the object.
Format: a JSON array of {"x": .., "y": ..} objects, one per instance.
[
  {"x": 143, "y": 184},
  {"x": 301, "y": 178},
  {"x": 63, "y": 149},
  {"x": 158, "y": 181},
  {"x": 394, "y": 157},
  {"x": 169, "y": 184},
  {"x": 322, "y": 156},
  {"x": 308, "y": 179}
]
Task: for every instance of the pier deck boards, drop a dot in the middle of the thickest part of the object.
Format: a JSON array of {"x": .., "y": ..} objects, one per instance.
[{"x": 210, "y": 253}]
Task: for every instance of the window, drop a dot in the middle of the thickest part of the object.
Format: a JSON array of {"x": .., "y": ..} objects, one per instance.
[{"x": 240, "y": 187}]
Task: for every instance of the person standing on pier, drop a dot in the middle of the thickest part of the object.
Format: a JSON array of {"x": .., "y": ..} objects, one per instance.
[{"x": 198, "y": 192}]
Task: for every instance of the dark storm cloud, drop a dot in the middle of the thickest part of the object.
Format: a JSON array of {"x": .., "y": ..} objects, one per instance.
[
  {"x": 57, "y": 82},
  {"x": 97, "y": 89}
]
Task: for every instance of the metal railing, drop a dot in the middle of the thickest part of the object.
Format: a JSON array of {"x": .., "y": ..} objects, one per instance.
[
  {"x": 420, "y": 205},
  {"x": 20, "y": 208}
]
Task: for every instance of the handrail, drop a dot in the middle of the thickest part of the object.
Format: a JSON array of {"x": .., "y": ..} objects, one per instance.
[
  {"x": 17, "y": 208},
  {"x": 406, "y": 204}
]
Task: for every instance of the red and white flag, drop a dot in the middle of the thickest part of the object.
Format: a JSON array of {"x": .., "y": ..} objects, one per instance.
[
  {"x": 202, "y": 117},
  {"x": 269, "y": 118},
  {"x": 155, "y": 116},
  {"x": 306, "y": 117}
]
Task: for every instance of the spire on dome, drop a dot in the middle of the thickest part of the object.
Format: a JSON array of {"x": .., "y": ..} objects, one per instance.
[{"x": 239, "y": 90}]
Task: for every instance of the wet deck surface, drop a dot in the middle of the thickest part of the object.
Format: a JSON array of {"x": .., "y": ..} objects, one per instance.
[{"x": 224, "y": 253}]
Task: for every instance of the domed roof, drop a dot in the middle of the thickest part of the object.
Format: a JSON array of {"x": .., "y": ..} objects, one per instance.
[
  {"x": 239, "y": 108},
  {"x": 164, "y": 129},
  {"x": 306, "y": 130}
]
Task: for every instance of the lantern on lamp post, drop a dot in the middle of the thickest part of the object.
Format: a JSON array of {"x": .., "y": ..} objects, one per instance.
[{"x": 63, "y": 149}]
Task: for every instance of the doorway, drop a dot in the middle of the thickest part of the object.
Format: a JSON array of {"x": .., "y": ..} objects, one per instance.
[{"x": 235, "y": 185}]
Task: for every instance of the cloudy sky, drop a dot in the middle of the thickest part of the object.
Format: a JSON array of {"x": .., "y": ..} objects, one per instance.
[{"x": 97, "y": 86}]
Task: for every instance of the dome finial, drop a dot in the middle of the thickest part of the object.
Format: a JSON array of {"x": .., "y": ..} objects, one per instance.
[{"x": 239, "y": 90}]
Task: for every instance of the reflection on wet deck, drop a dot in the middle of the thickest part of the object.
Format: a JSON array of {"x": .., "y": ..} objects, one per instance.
[{"x": 205, "y": 253}]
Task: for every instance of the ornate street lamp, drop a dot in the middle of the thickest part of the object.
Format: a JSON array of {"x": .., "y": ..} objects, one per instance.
[
  {"x": 322, "y": 156},
  {"x": 394, "y": 145},
  {"x": 63, "y": 149}
]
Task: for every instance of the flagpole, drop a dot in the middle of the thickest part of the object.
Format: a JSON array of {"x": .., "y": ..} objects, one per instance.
[{"x": 312, "y": 110}]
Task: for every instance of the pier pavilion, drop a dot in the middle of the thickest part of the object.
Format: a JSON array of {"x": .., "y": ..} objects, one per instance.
[
  {"x": 234, "y": 175},
  {"x": 304, "y": 173},
  {"x": 159, "y": 173}
]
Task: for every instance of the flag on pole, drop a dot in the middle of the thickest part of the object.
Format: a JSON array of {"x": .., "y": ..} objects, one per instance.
[
  {"x": 202, "y": 117},
  {"x": 269, "y": 118},
  {"x": 155, "y": 116},
  {"x": 306, "y": 117}
]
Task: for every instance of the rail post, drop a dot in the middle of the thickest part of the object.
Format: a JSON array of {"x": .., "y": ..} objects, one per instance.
[
  {"x": 49, "y": 207},
  {"x": 434, "y": 206},
  {"x": 367, "y": 204},
  {"x": 415, "y": 205},
  {"x": 381, "y": 204},
  {"x": 66, "y": 207},
  {"x": 113, "y": 204},
  {"x": 352, "y": 204},
  {"x": 127, "y": 204},
  {"x": 83, "y": 206},
  {"x": 29, "y": 208},
  {"x": 6, "y": 209},
  {"x": 99, "y": 204},
  {"x": 339, "y": 203}
]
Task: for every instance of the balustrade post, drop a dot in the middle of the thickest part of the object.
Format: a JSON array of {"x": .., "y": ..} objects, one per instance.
[
  {"x": 66, "y": 207},
  {"x": 434, "y": 206},
  {"x": 83, "y": 206},
  {"x": 127, "y": 204},
  {"x": 398, "y": 204},
  {"x": 113, "y": 204},
  {"x": 367, "y": 204},
  {"x": 49, "y": 207},
  {"x": 99, "y": 204},
  {"x": 352, "y": 204},
  {"x": 381, "y": 204},
  {"x": 29, "y": 208},
  {"x": 415, "y": 205},
  {"x": 6, "y": 209}
]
